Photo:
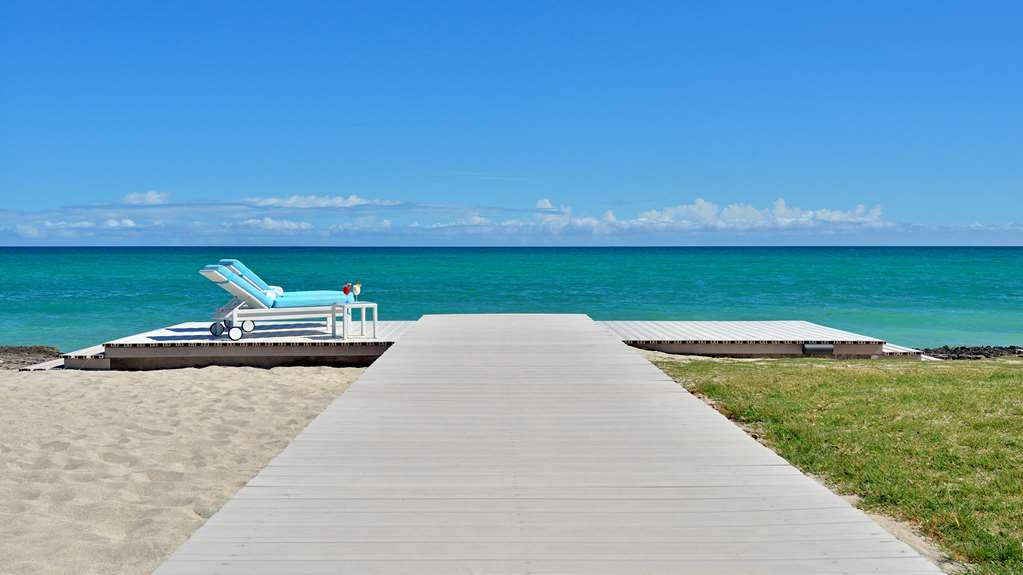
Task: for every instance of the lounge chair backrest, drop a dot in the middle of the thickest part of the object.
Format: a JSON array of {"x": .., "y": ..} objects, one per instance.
[
  {"x": 245, "y": 273},
  {"x": 237, "y": 286}
]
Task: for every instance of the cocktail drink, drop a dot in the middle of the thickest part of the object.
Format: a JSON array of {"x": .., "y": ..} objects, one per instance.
[{"x": 357, "y": 289}]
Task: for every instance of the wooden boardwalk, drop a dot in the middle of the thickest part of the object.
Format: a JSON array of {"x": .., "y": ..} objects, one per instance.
[
  {"x": 733, "y": 332},
  {"x": 530, "y": 444}
]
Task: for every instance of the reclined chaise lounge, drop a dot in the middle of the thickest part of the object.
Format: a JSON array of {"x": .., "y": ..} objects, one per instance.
[
  {"x": 243, "y": 271},
  {"x": 254, "y": 300}
]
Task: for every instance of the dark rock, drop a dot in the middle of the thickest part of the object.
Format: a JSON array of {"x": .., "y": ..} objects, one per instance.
[
  {"x": 15, "y": 357},
  {"x": 973, "y": 352}
]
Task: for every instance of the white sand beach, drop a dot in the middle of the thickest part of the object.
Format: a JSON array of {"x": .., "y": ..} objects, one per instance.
[{"x": 109, "y": 472}]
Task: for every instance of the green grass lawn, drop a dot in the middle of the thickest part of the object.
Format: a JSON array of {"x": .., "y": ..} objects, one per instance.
[{"x": 938, "y": 444}]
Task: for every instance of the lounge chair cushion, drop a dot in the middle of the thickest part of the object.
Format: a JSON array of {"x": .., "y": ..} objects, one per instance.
[
  {"x": 269, "y": 298},
  {"x": 246, "y": 273},
  {"x": 237, "y": 286},
  {"x": 308, "y": 298}
]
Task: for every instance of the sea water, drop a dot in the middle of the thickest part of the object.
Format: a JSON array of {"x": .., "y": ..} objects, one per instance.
[{"x": 917, "y": 296}]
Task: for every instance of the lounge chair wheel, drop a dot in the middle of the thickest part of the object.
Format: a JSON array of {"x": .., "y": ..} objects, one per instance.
[
  {"x": 235, "y": 333},
  {"x": 228, "y": 324},
  {"x": 248, "y": 325},
  {"x": 217, "y": 329}
]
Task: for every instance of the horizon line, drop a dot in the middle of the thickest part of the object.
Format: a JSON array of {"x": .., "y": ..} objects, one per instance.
[{"x": 489, "y": 246}]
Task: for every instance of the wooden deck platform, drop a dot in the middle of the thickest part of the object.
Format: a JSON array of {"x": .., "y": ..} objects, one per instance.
[
  {"x": 744, "y": 338},
  {"x": 271, "y": 344},
  {"x": 191, "y": 345},
  {"x": 530, "y": 444}
]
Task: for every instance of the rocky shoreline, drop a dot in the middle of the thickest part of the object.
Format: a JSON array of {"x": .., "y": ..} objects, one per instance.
[
  {"x": 19, "y": 356},
  {"x": 973, "y": 351}
]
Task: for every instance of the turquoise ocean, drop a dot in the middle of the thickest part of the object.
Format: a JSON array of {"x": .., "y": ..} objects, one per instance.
[{"x": 76, "y": 297}]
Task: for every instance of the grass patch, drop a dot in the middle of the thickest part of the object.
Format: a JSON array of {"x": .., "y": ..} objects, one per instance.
[{"x": 938, "y": 444}]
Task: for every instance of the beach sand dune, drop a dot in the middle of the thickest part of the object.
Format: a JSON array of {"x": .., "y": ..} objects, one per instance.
[{"x": 109, "y": 472}]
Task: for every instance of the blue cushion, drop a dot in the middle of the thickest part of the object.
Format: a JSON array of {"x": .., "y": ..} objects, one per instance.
[
  {"x": 308, "y": 298},
  {"x": 234, "y": 279},
  {"x": 245, "y": 272}
]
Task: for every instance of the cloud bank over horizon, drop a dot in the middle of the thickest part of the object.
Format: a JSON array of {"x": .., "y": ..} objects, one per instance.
[
  {"x": 152, "y": 218},
  {"x": 149, "y": 198}
]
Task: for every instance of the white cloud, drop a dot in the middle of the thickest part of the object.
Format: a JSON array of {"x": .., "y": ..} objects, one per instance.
[
  {"x": 63, "y": 225},
  {"x": 987, "y": 227},
  {"x": 366, "y": 224},
  {"x": 542, "y": 221},
  {"x": 313, "y": 201},
  {"x": 552, "y": 222},
  {"x": 120, "y": 223},
  {"x": 698, "y": 213},
  {"x": 698, "y": 216},
  {"x": 57, "y": 228},
  {"x": 274, "y": 225},
  {"x": 705, "y": 215},
  {"x": 471, "y": 220},
  {"x": 150, "y": 198}
]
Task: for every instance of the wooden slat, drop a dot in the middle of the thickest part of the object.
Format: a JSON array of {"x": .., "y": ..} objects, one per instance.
[
  {"x": 732, "y": 332},
  {"x": 297, "y": 332},
  {"x": 531, "y": 444}
]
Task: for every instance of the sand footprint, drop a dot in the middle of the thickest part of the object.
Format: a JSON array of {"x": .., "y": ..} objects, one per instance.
[
  {"x": 12, "y": 507},
  {"x": 42, "y": 462},
  {"x": 27, "y": 493},
  {"x": 73, "y": 463},
  {"x": 56, "y": 446},
  {"x": 111, "y": 457},
  {"x": 164, "y": 475},
  {"x": 60, "y": 495}
]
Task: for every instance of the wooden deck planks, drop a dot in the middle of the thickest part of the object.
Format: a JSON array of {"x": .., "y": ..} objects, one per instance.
[
  {"x": 732, "y": 331},
  {"x": 267, "y": 332},
  {"x": 539, "y": 444}
]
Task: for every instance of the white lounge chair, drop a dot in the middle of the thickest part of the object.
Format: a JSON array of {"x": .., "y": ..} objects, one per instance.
[
  {"x": 250, "y": 303},
  {"x": 243, "y": 271}
]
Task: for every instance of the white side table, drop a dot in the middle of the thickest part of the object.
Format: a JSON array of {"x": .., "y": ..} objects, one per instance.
[{"x": 346, "y": 318}]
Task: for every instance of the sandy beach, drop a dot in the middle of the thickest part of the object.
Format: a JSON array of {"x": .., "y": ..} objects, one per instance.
[{"x": 108, "y": 472}]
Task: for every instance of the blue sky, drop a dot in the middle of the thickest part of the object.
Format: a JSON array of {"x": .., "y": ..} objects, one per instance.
[{"x": 482, "y": 123}]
